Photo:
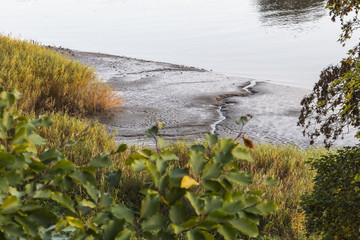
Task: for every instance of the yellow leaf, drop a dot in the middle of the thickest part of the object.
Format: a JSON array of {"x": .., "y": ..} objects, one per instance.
[{"x": 187, "y": 182}]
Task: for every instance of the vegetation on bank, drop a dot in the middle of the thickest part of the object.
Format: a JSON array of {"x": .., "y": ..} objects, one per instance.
[
  {"x": 50, "y": 82},
  {"x": 91, "y": 191}
]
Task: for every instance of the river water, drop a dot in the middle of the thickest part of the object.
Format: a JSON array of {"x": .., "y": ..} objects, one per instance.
[{"x": 284, "y": 41}]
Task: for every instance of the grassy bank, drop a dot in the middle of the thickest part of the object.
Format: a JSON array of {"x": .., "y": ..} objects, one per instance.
[
  {"x": 62, "y": 88},
  {"x": 51, "y": 82}
]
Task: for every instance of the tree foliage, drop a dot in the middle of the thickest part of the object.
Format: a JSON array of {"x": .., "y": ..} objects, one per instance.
[
  {"x": 208, "y": 197},
  {"x": 333, "y": 208},
  {"x": 333, "y": 105}
]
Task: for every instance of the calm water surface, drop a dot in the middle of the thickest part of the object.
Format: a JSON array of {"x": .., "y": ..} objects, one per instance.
[{"x": 285, "y": 41}]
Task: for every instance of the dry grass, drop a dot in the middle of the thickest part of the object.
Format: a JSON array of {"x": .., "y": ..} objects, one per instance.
[
  {"x": 51, "y": 82},
  {"x": 288, "y": 163}
]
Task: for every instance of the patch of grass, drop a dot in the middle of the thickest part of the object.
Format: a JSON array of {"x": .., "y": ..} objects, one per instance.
[
  {"x": 51, "y": 82},
  {"x": 288, "y": 163}
]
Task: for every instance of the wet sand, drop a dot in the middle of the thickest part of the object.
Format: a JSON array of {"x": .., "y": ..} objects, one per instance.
[{"x": 192, "y": 102}]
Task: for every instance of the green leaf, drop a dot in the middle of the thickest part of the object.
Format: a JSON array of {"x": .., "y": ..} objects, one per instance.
[
  {"x": 239, "y": 178},
  {"x": 43, "y": 217},
  {"x": 122, "y": 212},
  {"x": 201, "y": 148},
  {"x": 149, "y": 205},
  {"x": 101, "y": 162},
  {"x": 266, "y": 207},
  {"x": 212, "y": 139},
  {"x": 195, "y": 235},
  {"x": 162, "y": 143},
  {"x": 36, "y": 139},
  {"x": 146, "y": 153},
  {"x": 219, "y": 216},
  {"x": 176, "y": 174},
  {"x": 29, "y": 226},
  {"x": 223, "y": 154},
  {"x": 124, "y": 235},
  {"x": 91, "y": 190},
  {"x": 87, "y": 203},
  {"x": 63, "y": 200},
  {"x": 113, "y": 178},
  {"x": 212, "y": 185},
  {"x": 195, "y": 202},
  {"x": 122, "y": 148},
  {"x": 61, "y": 224},
  {"x": 154, "y": 173},
  {"x": 227, "y": 231},
  {"x": 212, "y": 203},
  {"x": 169, "y": 156},
  {"x": 51, "y": 155},
  {"x": 234, "y": 207},
  {"x": 242, "y": 154},
  {"x": 152, "y": 131},
  {"x": 75, "y": 222},
  {"x": 20, "y": 136},
  {"x": 245, "y": 226},
  {"x": 46, "y": 122},
  {"x": 177, "y": 229},
  {"x": 112, "y": 229},
  {"x": 207, "y": 235},
  {"x": 8, "y": 120},
  {"x": 154, "y": 222},
  {"x": 64, "y": 165},
  {"x": 212, "y": 170},
  {"x": 271, "y": 181},
  {"x": 161, "y": 165},
  {"x": 6, "y": 159},
  {"x": 71, "y": 143},
  {"x": 174, "y": 194},
  {"x": 178, "y": 213},
  {"x": 10, "y": 205},
  {"x": 138, "y": 165},
  {"x": 197, "y": 161}
]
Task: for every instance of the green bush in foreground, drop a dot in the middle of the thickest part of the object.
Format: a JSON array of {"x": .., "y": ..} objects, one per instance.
[
  {"x": 333, "y": 208},
  {"x": 196, "y": 202}
]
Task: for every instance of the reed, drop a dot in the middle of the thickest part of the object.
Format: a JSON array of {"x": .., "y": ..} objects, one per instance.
[{"x": 51, "y": 82}]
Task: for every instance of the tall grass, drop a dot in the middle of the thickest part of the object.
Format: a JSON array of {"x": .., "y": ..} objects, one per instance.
[
  {"x": 51, "y": 82},
  {"x": 288, "y": 163}
]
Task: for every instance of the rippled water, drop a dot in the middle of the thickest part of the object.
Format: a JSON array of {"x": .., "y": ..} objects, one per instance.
[{"x": 286, "y": 41}]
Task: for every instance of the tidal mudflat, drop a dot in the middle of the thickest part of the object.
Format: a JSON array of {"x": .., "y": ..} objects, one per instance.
[{"x": 193, "y": 101}]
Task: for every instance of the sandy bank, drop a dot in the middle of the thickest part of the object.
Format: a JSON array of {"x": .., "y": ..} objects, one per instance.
[{"x": 192, "y": 102}]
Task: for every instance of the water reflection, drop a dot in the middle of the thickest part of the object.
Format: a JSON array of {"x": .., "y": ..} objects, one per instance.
[{"x": 289, "y": 12}]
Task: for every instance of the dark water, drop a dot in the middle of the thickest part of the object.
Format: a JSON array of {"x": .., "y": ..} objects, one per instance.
[
  {"x": 289, "y": 12},
  {"x": 288, "y": 42}
]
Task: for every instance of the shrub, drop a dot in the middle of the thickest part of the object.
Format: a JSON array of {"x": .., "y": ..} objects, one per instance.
[
  {"x": 51, "y": 82},
  {"x": 333, "y": 208},
  {"x": 196, "y": 202}
]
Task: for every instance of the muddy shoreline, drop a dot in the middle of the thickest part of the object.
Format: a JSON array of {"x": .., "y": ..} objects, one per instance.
[{"x": 192, "y": 102}]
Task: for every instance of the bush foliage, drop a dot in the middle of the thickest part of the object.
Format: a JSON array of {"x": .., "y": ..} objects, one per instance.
[
  {"x": 333, "y": 208},
  {"x": 51, "y": 82},
  {"x": 208, "y": 197}
]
